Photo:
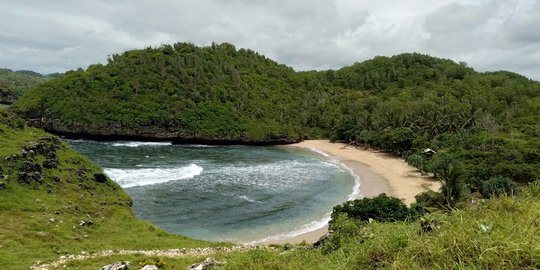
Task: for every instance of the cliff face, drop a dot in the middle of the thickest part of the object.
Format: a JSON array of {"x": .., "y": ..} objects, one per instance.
[{"x": 148, "y": 133}]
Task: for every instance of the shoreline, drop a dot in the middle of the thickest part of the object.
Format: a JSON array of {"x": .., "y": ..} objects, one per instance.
[{"x": 378, "y": 173}]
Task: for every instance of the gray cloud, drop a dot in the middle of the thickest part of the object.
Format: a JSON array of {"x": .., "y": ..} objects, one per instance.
[{"x": 54, "y": 36}]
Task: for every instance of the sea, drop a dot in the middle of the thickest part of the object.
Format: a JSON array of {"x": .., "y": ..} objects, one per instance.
[{"x": 235, "y": 193}]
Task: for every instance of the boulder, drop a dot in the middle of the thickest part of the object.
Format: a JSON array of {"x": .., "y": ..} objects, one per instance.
[
  {"x": 116, "y": 266},
  {"x": 321, "y": 241},
  {"x": 100, "y": 178},
  {"x": 28, "y": 166},
  {"x": 50, "y": 163},
  {"x": 150, "y": 267},
  {"x": 208, "y": 263},
  {"x": 30, "y": 177}
]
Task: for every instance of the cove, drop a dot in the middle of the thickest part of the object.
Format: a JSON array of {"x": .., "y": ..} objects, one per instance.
[{"x": 224, "y": 193}]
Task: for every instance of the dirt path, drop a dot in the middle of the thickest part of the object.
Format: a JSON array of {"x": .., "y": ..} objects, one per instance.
[{"x": 170, "y": 253}]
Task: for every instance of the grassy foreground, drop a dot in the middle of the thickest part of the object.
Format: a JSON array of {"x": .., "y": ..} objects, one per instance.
[
  {"x": 53, "y": 202},
  {"x": 501, "y": 233},
  {"x": 498, "y": 233}
]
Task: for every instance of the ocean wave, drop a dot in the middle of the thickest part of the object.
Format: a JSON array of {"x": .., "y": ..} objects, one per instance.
[
  {"x": 248, "y": 199},
  {"x": 313, "y": 149},
  {"x": 200, "y": 145},
  {"x": 127, "y": 178},
  {"x": 355, "y": 194},
  {"x": 137, "y": 144}
]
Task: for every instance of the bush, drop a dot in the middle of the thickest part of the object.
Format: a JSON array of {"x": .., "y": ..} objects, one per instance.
[
  {"x": 381, "y": 208},
  {"x": 498, "y": 185},
  {"x": 430, "y": 198}
]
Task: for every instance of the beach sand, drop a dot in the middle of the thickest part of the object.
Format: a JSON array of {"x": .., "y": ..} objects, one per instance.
[{"x": 379, "y": 173}]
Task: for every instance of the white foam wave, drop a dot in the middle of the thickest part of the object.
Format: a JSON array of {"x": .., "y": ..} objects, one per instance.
[
  {"x": 137, "y": 144},
  {"x": 150, "y": 176},
  {"x": 201, "y": 145},
  {"x": 319, "y": 152},
  {"x": 309, "y": 227},
  {"x": 246, "y": 198}
]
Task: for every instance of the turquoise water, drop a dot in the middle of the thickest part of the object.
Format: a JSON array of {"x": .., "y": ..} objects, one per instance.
[{"x": 225, "y": 193}]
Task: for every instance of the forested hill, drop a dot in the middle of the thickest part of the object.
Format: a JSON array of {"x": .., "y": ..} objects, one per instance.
[
  {"x": 181, "y": 92},
  {"x": 15, "y": 83}
]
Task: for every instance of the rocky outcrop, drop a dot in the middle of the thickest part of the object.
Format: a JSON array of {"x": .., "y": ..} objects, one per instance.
[
  {"x": 116, "y": 266},
  {"x": 208, "y": 263},
  {"x": 111, "y": 132},
  {"x": 150, "y": 267}
]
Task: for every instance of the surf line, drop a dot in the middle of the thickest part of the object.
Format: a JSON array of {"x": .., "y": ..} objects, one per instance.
[{"x": 323, "y": 221}]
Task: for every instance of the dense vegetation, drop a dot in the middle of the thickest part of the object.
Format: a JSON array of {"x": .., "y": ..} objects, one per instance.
[
  {"x": 54, "y": 202},
  {"x": 178, "y": 92},
  {"x": 14, "y": 84}
]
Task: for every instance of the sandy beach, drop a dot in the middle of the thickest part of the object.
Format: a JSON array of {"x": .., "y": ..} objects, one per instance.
[{"x": 379, "y": 173}]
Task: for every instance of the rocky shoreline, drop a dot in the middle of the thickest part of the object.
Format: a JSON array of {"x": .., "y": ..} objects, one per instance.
[{"x": 152, "y": 134}]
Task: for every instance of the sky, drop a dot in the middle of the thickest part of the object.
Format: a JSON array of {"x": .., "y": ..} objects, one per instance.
[{"x": 489, "y": 35}]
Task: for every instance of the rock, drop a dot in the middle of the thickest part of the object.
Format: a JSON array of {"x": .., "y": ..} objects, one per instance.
[
  {"x": 100, "y": 178},
  {"x": 116, "y": 266},
  {"x": 86, "y": 222},
  {"x": 150, "y": 267},
  {"x": 81, "y": 173},
  {"x": 31, "y": 167},
  {"x": 207, "y": 264},
  {"x": 321, "y": 241},
  {"x": 50, "y": 163},
  {"x": 30, "y": 177}
]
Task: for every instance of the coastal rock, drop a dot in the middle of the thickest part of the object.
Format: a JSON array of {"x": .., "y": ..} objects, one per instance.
[
  {"x": 31, "y": 167},
  {"x": 50, "y": 163},
  {"x": 30, "y": 177},
  {"x": 100, "y": 178},
  {"x": 150, "y": 267},
  {"x": 116, "y": 266},
  {"x": 208, "y": 263},
  {"x": 321, "y": 241}
]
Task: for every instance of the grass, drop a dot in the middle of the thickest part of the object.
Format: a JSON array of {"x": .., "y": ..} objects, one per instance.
[{"x": 500, "y": 233}]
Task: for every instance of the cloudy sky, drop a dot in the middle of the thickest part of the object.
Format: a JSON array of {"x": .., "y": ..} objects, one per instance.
[{"x": 55, "y": 36}]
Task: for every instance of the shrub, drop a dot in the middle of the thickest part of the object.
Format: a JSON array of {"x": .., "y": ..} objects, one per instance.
[
  {"x": 381, "y": 208},
  {"x": 498, "y": 185},
  {"x": 430, "y": 198}
]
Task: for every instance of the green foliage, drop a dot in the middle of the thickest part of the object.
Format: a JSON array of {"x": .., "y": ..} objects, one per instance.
[
  {"x": 497, "y": 186},
  {"x": 430, "y": 199},
  {"x": 417, "y": 161},
  {"x": 15, "y": 83},
  {"x": 380, "y": 208}
]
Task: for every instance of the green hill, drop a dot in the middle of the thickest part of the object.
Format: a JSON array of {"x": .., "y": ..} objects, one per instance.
[
  {"x": 54, "y": 202},
  {"x": 179, "y": 92},
  {"x": 14, "y": 84}
]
